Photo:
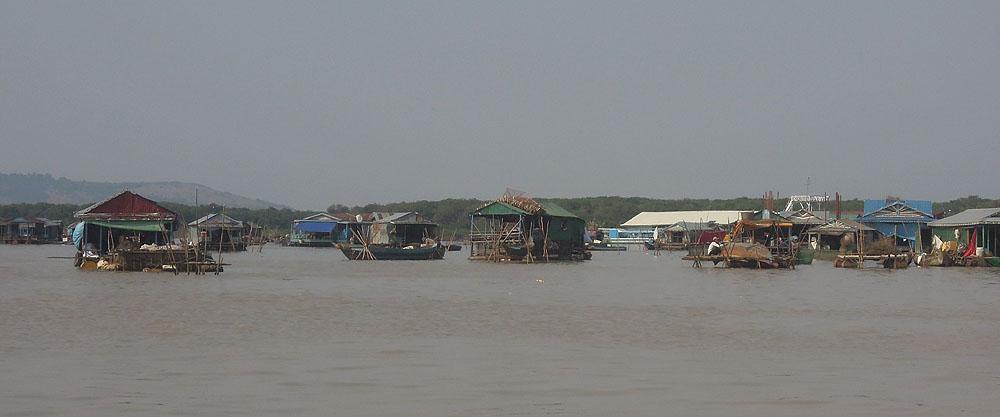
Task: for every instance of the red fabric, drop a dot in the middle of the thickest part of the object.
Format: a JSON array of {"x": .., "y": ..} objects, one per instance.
[
  {"x": 971, "y": 251},
  {"x": 706, "y": 237},
  {"x": 129, "y": 203}
]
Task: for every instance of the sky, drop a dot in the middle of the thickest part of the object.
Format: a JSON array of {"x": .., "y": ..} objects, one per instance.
[{"x": 314, "y": 103}]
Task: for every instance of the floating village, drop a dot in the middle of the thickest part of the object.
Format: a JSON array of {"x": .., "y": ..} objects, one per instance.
[{"x": 129, "y": 232}]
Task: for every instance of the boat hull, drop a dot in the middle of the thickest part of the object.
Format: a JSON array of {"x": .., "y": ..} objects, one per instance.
[
  {"x": 605, "y": 247},
  {"x": 311, "y": 243},
  {"x": 385, "y": 253}
]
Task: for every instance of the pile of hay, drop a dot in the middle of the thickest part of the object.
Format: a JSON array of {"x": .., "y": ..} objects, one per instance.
[
  {"x": 884, "y": 246},
  {"x": 518, "y": 199}
]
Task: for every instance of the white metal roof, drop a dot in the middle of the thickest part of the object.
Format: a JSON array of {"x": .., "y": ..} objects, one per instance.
[
  {"x": 667, "y": 218},
  {"x": 970, "y": 217}
]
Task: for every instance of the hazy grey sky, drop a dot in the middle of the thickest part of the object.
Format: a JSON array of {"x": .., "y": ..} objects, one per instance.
[{"x": 311, "y": 103}]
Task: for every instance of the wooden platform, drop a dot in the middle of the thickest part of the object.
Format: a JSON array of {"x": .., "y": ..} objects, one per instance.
[
  {"x": 889, "y": 261},
  {"x": 177, "y": 260}
]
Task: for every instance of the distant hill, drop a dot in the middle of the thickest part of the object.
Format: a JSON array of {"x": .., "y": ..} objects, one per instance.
[{"x": 43, "y": 188}]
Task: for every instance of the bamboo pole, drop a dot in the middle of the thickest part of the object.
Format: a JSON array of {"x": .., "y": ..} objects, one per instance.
[
  {"x": 545, "y": 244},
  {"x": 529, "y": 241},
  {"x": 218, "y": 262}
]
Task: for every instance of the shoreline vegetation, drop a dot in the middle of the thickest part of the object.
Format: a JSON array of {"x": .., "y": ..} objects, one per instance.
[{"x": 452, "y": 213}]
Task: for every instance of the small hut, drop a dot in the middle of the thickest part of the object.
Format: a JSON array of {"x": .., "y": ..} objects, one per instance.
[
  {"x": 904, "y": 220},
  {"x": 684, "y": 233},
  {"x": 803, "y": 220},
  {"x": 975, "y": 233},
  {"x": 319, "y": 230},
  {"x": 35, "y": 230},
  {"x": 106, "y": 225},
  {"x": 132, "y": 233},
  {"x": 515, "y": 227},
  {"x": 831, "y": 235},
  {"x": 218, "y": 232},
  {"x": 397, "y": 229},
  {"x": 392, "y": 236}
]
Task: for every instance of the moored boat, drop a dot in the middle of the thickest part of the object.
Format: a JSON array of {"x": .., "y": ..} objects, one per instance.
[
  {"x": 393, "y": 253},
  {"x": 393, "y": 236},
  {"x": 604, "y": 246}
]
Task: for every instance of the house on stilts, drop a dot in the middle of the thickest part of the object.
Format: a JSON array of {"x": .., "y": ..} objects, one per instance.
[
  {"x": 218, "y": 232},
  {"x": 515, "y": 227}
]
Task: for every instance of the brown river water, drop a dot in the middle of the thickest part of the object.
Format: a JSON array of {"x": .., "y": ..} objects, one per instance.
[{"x": 304, "y": 332}]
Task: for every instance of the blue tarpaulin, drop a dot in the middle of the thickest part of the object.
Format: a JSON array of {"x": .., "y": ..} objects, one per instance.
[
  {"x": 903, "y": 230},
  {"x": 307, "y": 226},
  {"x": 78, "y": 234},
  {"x": 902, "y": 218}
]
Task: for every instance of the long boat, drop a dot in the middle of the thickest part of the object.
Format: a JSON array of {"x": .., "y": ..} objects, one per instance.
[
  {"x": 393, "y": 253},
  {"x": 604, "y": 246}
]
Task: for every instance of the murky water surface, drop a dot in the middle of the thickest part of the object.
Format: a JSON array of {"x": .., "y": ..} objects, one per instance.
[{"x": 305, "y": 332}]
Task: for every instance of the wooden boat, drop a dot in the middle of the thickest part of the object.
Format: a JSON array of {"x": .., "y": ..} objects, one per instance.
[
  {"x": 393, "y": 236},
  {"x": 888, "y": 261},
  {"x": 604, "y": 246},
  {"x": 393, "y": 253},
  {"x": 743, "y": 255},
  {"x": 741, "y": 250}
]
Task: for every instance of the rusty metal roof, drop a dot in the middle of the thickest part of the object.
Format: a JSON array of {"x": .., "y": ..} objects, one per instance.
[{"x": 127, "y": 205}]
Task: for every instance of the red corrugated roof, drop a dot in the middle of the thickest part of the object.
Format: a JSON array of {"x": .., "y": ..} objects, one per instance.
[{"x": 127, "y": 205}]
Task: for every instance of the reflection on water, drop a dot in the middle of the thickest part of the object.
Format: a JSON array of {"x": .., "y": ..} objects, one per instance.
[{"x": 299, "y": 331}]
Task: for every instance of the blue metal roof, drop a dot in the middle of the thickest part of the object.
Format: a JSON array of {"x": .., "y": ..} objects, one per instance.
[
  {"x": 925, "y": 206},
  {"x": 895, "y": 219},
  {"x": 311, "y": 226}
]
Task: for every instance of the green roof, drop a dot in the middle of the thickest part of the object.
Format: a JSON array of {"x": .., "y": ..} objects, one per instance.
[
  {"x": 555, "y": 210},
  {"x": 497, "y": 208},
  {"x": 137, "y": 225}
]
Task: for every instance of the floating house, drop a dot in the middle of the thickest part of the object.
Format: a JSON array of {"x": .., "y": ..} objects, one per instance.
[
  {"x": 319, "y": 230},
  {"x": 104, "y": 225},
  {"x": 31, "y": 230},
  {"x": 831, "y": 236},
  {"x": 803, "y": 219},
  {"x": 519, "y": 228},
  {"x": 401, "y": 228},
  {"x": 218, "y": 232},
  {"x": 132, "y": 233},
  {"x": 392, "y": 236},
  {"x": 644, "y": 226},
  {"x": 904, "y": 220},
  {"x": 683, "y": 233},
  {"x": 975, "y": 230}
]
